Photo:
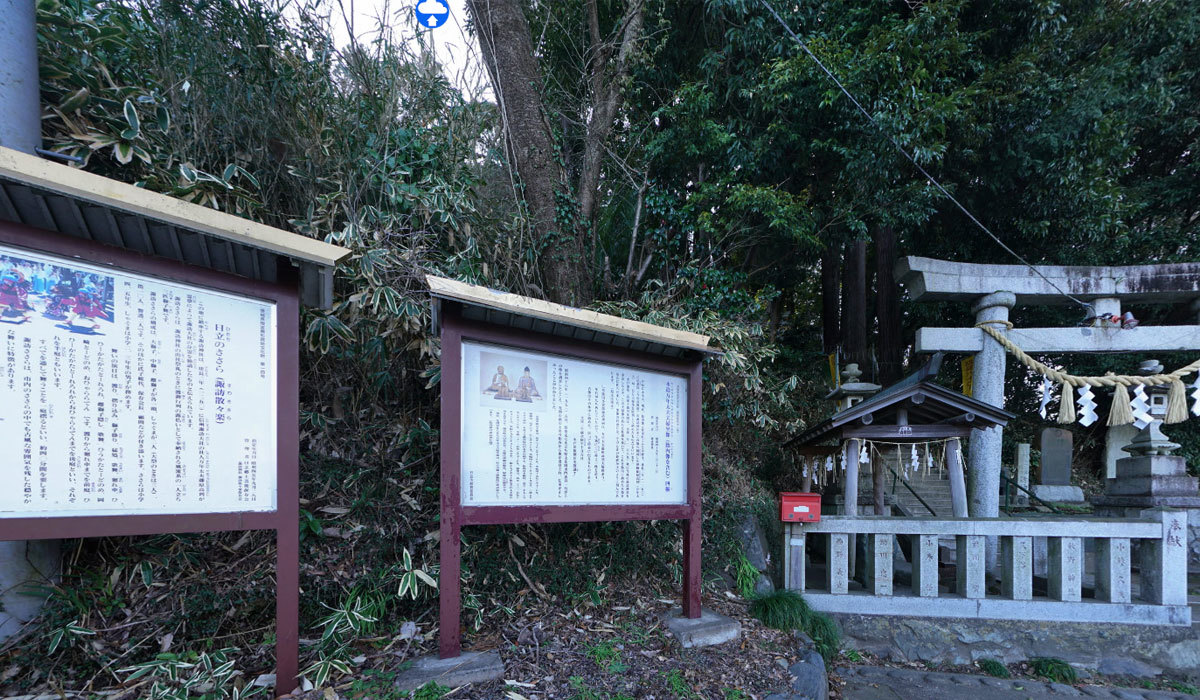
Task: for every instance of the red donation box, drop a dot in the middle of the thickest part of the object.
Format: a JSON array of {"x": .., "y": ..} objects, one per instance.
[{"x": 797, "y": 507}]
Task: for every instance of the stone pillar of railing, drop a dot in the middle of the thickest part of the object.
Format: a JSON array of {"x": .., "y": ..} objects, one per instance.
[
  {"x": 1016, "y": 566},
  {"x": 1164, "y": 561},
  {"x": 925, "y": 565},
  {"x": 837, "y": 565},
  {"x": 971, "y": 566},
  {"x": 879, "y": 563},
  {"x": 1112, "y": 570},
  {"x": 1064, "y": 577}
]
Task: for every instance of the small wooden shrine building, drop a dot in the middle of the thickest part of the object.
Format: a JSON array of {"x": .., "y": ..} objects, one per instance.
[{"x": 904, "y": 429}]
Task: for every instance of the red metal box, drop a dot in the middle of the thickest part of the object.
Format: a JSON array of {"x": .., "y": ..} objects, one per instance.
[{"x": 798, "y": 507}]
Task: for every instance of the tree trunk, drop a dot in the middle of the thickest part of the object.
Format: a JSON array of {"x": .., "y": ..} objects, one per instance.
[
  {"x": 831, "y": 313},
  {"x": 608, "y": 85},
  {"x": 507, "y": 50},
  {"x": 854, "y": 301},
  {"x": 887, "y": 307}
]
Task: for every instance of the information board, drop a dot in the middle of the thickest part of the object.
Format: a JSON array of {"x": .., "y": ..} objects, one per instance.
[
  {"x": 123, "y": 394},
  {"x": 541, "y": 429}
]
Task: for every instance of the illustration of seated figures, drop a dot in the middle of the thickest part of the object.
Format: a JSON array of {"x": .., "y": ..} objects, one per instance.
[
  {"x": 499, "y": 385},
  {"x": 526, "y": 389}
]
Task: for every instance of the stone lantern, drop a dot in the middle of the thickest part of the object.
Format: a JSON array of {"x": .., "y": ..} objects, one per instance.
[
  {"x": 1152, "y": 477},
  {"x": 852, "y": 391}
]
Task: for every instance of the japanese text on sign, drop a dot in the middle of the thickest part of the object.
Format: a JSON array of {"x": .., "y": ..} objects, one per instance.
[
  {"x": 543, "y": 429},
  {"x": 131, "y": 395}
]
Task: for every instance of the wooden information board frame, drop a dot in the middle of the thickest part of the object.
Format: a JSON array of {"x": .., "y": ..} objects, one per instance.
[
  {"x": 457, "y": 328},
  {"x": 285, "y": 519}
]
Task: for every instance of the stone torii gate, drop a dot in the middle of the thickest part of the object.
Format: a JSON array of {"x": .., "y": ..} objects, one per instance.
[{"x": 995, "y": 289}]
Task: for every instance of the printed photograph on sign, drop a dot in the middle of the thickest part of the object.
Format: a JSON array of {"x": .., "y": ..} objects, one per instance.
[
  {"x": 541, "y": 429},
  {"x": 512, "y": 378},
  {"x": 68, "y": 298},
  {"x": 124, "y": 394}
]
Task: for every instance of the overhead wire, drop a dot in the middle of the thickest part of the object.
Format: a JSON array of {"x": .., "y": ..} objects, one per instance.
[{"x": 932, "y": 180}]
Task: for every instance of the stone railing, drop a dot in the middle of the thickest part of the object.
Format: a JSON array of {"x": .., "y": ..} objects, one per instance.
[{"x": 1162, "y": 570}]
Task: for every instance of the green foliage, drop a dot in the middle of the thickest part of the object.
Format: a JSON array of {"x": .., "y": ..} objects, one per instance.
[
  {"x": 430, "y": 691},
  {"x": 734, "y": 694},
  {"x": 742, "y": 393},
  {"x": 1185, "y": 688},
  {"x": 994, "y": 668},
  {"x": 787, "y": 610},
  {"x": 782, "y": 610},
  {"x": 607, "y": 656},
  {"x": 376, "y": 684},
  {"x": 677, "y": 685},
  {"x": 826, "y": 636},
  {"x": 582, "y": 691},
  {"x": 69, "y": 634},
  {"x": 745, "y": 575},
  {"x": 1053, "y": 669},
  {"x": 204, "y": 675}
]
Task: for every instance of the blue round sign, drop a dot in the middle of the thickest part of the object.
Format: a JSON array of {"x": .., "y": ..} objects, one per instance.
[{"x": 432, "y": 13}]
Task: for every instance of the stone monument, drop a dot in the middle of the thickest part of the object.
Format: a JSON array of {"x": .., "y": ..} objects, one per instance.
[
  {"x": 1154, "y": 478},
  {"x": 1057, "y": 447}
]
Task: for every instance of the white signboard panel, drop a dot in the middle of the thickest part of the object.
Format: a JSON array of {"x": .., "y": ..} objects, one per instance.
[
  {"x": 121, "y": 394},
  {"x": 543, "y": 429}
]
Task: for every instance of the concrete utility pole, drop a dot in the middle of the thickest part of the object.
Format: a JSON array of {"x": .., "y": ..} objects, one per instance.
[{"x": 36, "y": 562}]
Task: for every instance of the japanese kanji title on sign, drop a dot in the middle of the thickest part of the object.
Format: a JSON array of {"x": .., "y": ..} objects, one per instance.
[
  {"x": 542, "y": 429},
  {"x": 131, "y": 395}
]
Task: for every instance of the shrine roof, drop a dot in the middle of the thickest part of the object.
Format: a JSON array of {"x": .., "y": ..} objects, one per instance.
[
  {"x": 929, "y": 279},
  {"x": 932, "y": 410},
  {"x": 55, "y": 197},
  {"x": 503, "y": 308}
]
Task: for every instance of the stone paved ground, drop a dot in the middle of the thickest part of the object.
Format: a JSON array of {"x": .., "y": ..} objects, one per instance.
[{"x": 882, "y": 683}]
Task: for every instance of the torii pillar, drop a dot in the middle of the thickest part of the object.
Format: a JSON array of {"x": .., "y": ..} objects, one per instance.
[
  {"x": 987, "y": 382},
  {"x": 1104, "y": 288}
]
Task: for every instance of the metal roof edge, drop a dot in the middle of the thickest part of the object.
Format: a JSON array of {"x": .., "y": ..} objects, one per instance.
[
  {"x": 99, "y": 190},
  {"x": 454, "y": 290}
]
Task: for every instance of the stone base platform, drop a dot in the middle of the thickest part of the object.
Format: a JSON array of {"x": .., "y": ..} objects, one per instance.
[
  {"x": 1059, "y": 494},
  {"x": 468, "y": 667},
  {"x": 1101, "y": 648},
  {"x": 707, "y": 630}
]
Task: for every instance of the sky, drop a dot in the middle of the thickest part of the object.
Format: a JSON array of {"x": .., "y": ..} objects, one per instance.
[{"x": 457, "y": 51}]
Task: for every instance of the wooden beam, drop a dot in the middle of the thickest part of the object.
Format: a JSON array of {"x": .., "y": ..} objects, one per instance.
[
  {"x": 1067, "y": 340},
  {"x": 906, "y": 432}
]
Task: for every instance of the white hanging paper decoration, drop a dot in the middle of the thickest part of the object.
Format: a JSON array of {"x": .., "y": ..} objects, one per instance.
[
  {"x": 1139, "y": 406},
  {"x": 928, "y": 459},
  {"x": 1196, "y": 396},
  {"x": 1045, "y": 397},
  {"x": 863, "y": 457},
  {"x": 829, "y": 463},
  {"x": 914, "y": 463},
  {"x": 842, "y": 460},
  {"x": 1087, "y": 406}
]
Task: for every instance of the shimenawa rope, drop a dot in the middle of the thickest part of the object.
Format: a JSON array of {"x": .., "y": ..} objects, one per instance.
[{"x": 1121, "y": 413}]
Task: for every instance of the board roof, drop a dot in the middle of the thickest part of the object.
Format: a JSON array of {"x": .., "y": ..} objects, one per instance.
[
  {"x": 55, "y": 197},
  {"x": 506, "y": 309}
]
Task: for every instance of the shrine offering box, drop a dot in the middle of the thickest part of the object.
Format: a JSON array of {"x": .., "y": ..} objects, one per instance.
[{"x": 797, "y": 507}]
